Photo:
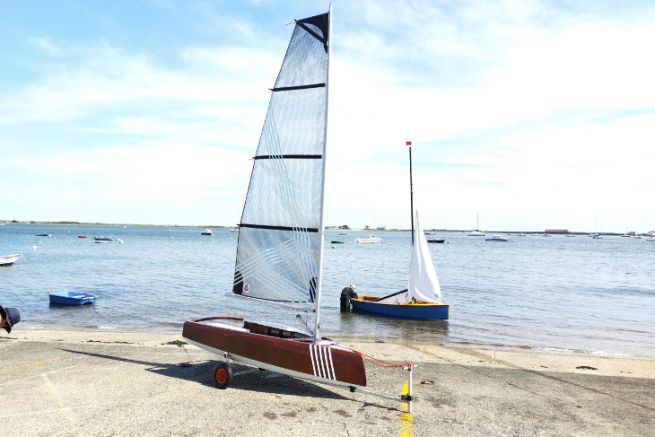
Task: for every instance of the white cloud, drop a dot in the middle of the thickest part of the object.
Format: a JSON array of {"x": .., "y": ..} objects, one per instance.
[
  {"x": 537, "y": 116},
  {"x": 556, "y": 96},
  {"x": 138, "y": 182},
  {"x": 111, "y": 78}
]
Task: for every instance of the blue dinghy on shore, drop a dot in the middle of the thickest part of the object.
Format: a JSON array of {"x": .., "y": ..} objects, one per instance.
[{"x": 72, "y": 298}]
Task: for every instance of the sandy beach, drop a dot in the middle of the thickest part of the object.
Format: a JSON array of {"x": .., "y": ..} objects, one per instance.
[{"x": 94, "y": 383}]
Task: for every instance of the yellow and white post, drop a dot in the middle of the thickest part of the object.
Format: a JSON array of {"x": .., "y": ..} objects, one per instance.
[{"x": 406, "y": 405}]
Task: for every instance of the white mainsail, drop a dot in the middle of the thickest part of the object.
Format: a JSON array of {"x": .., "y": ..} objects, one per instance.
[
  {"x": 281, "y": 228},
  {"x": 423, "y": 283}
]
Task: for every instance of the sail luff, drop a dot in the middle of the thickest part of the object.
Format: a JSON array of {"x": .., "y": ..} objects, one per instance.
[{"x": 319, "y": 282}]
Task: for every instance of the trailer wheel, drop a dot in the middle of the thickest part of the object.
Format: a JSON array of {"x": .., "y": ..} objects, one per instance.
[{"x": 222, "y": 375}]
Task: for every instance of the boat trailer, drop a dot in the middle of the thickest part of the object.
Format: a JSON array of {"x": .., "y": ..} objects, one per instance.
[{"x": 223, "y": 374}]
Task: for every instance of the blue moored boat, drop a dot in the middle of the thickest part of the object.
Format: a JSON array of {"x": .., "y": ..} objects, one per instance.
[
  {"x": 421, "y": 300},
  {"x": 72, "y": 298},
  {"x": 422, "y": 297},
  {"x": 414, "y": 310}
]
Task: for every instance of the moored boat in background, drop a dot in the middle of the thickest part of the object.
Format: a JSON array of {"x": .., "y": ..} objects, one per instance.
[
  {"x": 497, "y": 237},
  {"x": 72, "y": 298},
  {"x": 371, "y": 239},
  {"x": 422, "y": 297},
  {"x": 476, "y": 232},
  {"x": 7, "y": 260}
]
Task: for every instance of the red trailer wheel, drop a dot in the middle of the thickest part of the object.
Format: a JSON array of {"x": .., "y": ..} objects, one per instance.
[{"x": 222, "y": 375}]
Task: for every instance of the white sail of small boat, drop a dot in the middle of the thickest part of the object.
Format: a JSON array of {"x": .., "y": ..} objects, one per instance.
[
  {"x": 423, "y": 283},
  {"x": 477, "y": 232}
]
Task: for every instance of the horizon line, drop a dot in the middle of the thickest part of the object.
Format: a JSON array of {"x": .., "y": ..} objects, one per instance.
[{"x": 329, "y": 228}]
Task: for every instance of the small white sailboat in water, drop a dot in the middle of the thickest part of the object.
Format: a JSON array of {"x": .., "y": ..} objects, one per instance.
[
  {"x": 281, "y": 233},
  {"x": 477, "y": 232},
  {"x": 422, "y": 297}
]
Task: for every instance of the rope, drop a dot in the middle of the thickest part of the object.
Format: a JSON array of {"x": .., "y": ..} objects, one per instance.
[{"x": 382, "y": 363}]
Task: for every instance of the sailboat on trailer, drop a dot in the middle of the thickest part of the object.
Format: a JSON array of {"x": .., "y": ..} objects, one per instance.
[{"x": 281, "y": 233}]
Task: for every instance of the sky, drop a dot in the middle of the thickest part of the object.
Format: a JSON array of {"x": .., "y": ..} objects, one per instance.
[{"x": 527, "y": 114}]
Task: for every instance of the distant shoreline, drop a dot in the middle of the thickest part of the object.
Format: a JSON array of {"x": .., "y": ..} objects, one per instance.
[
  {"x": 75, "y": 223},
  {"x": 328, "y": 228}
]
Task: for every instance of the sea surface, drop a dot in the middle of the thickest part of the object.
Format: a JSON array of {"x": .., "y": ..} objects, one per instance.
[{"x": 562, "y": 293}]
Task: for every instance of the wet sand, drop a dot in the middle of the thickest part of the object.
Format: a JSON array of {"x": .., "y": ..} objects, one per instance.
[{"x": 90, "y": 383}]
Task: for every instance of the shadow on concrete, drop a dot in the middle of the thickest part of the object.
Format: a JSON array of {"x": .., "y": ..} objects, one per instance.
[{"x": 245, "y": 377}]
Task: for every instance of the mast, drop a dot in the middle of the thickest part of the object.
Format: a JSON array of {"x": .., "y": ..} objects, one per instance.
[
  {"x": 319, "y": 283},
  {"x": 411, "y": 189}
]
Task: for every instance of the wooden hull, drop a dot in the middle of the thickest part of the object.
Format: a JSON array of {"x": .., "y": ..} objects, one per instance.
[
  {"x": 422, "y": 311},
  {"x": 279, "y": 350}
]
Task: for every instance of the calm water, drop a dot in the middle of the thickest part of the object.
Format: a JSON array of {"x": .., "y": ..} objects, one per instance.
[{"x": 557, "y": 292}]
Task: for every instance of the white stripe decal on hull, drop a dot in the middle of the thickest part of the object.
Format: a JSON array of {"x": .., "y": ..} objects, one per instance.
[
  {"x": 334, "y": 376},
  {"x": 327, "y": 353},
  {"x": 311, "y": 358},
  {"x": 322, "y": 364}
]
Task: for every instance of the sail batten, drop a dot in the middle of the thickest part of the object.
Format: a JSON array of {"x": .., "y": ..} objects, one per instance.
[
  {"x": 280, "y": 231},
  {"x": 298, "y": 87},
  {"x": 295, "y": 156},
  {"x": 277, "y": 228}
]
